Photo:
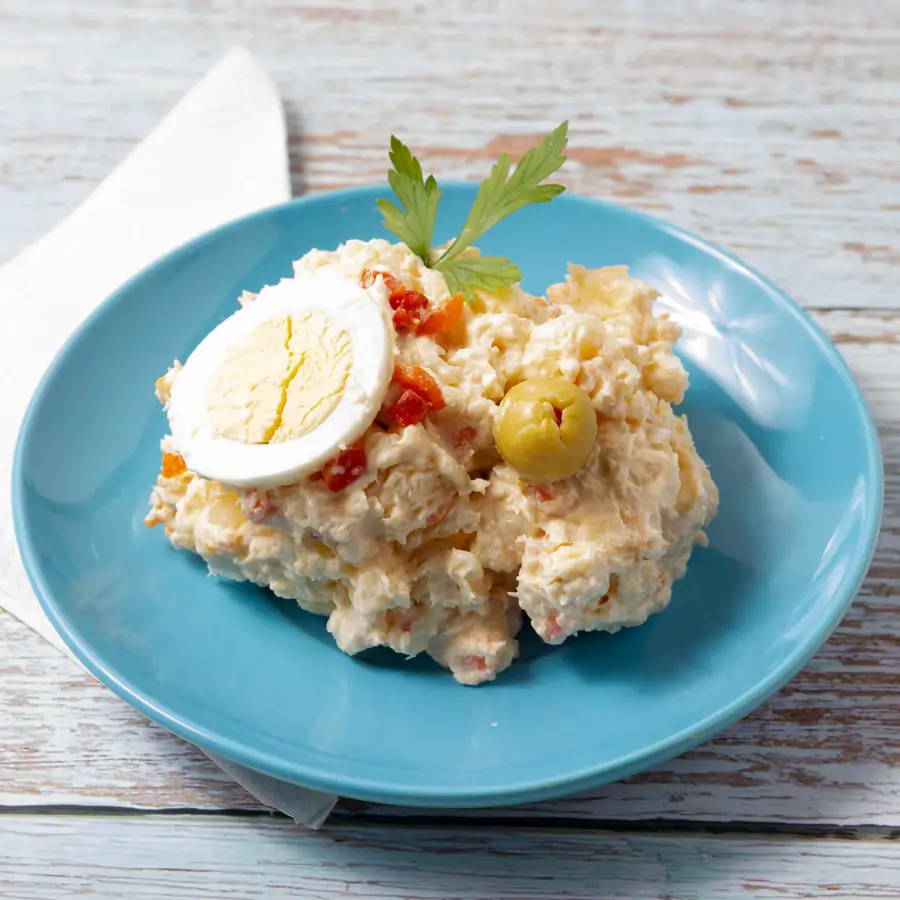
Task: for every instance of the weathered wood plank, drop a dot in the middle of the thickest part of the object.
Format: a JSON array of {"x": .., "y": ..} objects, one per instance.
[
  {"x": 825, "y": 749},
  {"x": 210, "y": 856},
  {"x": 771, "y": 128}
]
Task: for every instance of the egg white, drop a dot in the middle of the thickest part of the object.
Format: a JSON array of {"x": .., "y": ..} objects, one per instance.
[{"x": 363, "y": 313}]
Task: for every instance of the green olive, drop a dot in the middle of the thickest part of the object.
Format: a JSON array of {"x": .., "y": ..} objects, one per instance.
[{"x": 546, "y": 428}]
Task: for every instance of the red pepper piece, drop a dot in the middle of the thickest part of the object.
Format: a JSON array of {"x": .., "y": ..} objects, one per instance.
[
  {"x": 409, "y": 408},
  {"x": 345, "y": 468},
  {"x": 420, "y": 380},
  {"x": 409, "y": 307}
]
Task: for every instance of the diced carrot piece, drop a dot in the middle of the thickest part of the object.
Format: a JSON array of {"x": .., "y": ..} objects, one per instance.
[
  {"x": 446, "y": 318},
  {"x": 345, "y": 468},
  {"x": 173, "y": 464},
  {"x": 541, "y": 495},
  {"x": 440, "y": 513},
  {"x": 478, "y": 663},
  {"x": 394, "y": 285},
  {"x": 409, "y": 408},
  {"x": 421, "y": 381},
  {"x": 257, "y": 506},
  {"x": 464, "y": 437},
  {"x": 552, "y": 630}
]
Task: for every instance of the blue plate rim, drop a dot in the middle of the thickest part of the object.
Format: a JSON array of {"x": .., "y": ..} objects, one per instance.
[{"x": 525, "y": 791}]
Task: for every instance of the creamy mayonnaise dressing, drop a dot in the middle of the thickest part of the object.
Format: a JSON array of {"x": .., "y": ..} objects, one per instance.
[{"x": 440, "y": 547}]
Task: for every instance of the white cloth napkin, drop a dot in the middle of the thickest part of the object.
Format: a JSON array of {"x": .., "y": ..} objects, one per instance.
[{"x": 219, "y": 154}]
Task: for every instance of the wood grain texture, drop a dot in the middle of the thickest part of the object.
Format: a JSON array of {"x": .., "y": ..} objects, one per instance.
[
  {"x": 192, "y": 857},
  {"x": 826, "y": 749},
  {"x": 772, "y": 128}
]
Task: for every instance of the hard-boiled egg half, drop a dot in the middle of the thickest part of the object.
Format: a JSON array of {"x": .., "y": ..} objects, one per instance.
[{"x": 285, "y": 383}]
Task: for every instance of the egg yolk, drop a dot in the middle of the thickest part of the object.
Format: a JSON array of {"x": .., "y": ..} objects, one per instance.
[{"x": 282, "y": 381}]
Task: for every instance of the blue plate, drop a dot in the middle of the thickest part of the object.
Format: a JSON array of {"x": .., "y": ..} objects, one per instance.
[{"x": 773, "y": 410}]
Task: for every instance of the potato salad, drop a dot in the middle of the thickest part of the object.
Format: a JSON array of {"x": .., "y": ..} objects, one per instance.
[{"x": 433, "y": 463}]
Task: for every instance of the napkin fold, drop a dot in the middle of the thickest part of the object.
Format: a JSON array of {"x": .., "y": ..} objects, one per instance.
[{"x": 221, "y": 153}]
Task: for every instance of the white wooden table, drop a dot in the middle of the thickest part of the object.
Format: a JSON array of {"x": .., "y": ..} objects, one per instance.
[{"x": 772, "y": 128}]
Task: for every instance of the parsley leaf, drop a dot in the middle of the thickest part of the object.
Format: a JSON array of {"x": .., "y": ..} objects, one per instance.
[
  {"x": 498, "y": 196},
  {"x": 465, "y": 274},
  {"x": 420, "y": 199}
]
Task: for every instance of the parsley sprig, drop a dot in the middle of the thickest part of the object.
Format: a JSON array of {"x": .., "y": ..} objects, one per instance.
[
  {"x": 420, "y": 200},
  {"x": 499, "y": 195}
]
